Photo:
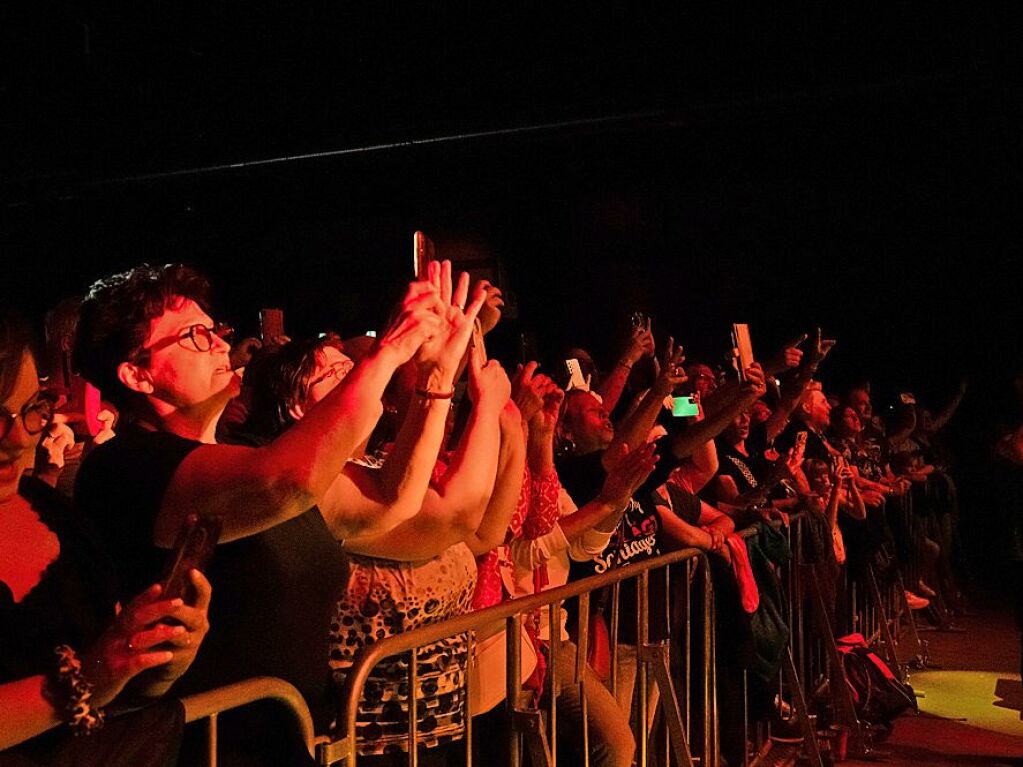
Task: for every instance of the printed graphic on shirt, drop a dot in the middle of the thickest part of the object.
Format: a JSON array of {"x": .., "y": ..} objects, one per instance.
[{"x": 635, "y": 539}]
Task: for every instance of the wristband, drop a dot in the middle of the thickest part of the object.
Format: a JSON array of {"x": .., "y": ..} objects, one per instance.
[
  {"x": 427, "y": 394},
  {"x": 69, "y": 692}
]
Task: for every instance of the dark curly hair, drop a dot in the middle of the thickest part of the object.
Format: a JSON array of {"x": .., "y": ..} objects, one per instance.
[{"x": 114, "y": 319}]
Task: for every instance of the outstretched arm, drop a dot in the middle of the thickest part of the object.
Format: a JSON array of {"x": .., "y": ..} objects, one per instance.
[
  {"x": 253, "y": 489},
  {"x": 453, "y": 510}
]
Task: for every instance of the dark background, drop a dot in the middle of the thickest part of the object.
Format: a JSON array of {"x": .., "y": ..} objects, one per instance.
[{"x": 788, "y": 166}]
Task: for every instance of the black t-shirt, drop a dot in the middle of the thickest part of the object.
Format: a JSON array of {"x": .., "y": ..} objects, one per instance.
[
  {"x": 274, "y": 593},
  {"x": 746, "y": 470},
  {"x": 635, "y": 539}
]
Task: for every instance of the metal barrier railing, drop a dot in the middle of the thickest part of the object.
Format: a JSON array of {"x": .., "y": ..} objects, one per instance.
[
  {"x": 877, "y": 608},
  {"x": 209, "y": 705},
  {"x": 534, "y": 729}
]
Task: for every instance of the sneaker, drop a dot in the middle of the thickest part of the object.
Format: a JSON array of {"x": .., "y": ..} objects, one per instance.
[{"x": 916, "y": 602}]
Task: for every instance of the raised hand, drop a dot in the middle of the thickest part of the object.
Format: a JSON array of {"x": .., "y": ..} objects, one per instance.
[
  {"x": 627, "y": 474},
  {"x": 641, "y": 344},
  {"x": 789, "y": 357},
  {"x": 138, "y": 640},
  {"x": 418, "y": 319},
  {"x": 755, "y": 384},
  {"x": 671, "y": 373},
  {"x": 442, "y": 353},
  {"x": 534, "y": 393},
  {"x": 821, "y": 347},
  {"x": 489, "y": 387}
]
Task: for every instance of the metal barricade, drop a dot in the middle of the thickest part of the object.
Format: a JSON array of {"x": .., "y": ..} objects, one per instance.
[
  {"x": 535, "y": 730},
  {"x": 209, "y": 705}
]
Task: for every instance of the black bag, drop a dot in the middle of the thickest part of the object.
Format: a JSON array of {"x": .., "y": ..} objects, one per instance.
[{"x": 878, "y": 695}]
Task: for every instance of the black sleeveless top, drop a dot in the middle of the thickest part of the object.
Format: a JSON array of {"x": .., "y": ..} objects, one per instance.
[{"x": 273, "y": 593}]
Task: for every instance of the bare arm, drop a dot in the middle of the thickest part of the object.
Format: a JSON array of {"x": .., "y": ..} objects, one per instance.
[
  {"x": 641, "y": 344},
  {"x": 721, "y": 409},
  {"x": 454, "y": 509},
  {"x": 634, "y": 430},
  {"x": 365, "y": 502},
  {"x": 511, "y": 464},
  {"x": 253, "y": 489}
]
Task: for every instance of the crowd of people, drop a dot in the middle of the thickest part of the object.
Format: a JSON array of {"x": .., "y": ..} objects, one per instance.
[{"x": 367, "y": 487}]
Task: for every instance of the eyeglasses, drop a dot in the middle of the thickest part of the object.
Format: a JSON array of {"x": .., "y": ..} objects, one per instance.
[
  {"x": 338, "y": 370},
  {"x": 201, "y": 337},
  {"x": 35, "y": 416}
]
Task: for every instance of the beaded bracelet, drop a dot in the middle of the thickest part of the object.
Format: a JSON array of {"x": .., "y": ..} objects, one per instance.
[{"x": 70, "y": 693}]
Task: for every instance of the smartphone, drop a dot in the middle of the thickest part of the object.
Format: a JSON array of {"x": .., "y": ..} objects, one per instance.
[
  {"x": 637, "y": 320},
  {"x": 192, "y": 550},
  {"x": 477, "y": 340},
  {"x": 423, "y": 252},
  {"x": 684, "y": 406},
  {"x": 271, "y": 325},
  {"x": 907, "y": 398},
  {"x": 575, "y": 375},
  {"x": 741, "y": 341}
]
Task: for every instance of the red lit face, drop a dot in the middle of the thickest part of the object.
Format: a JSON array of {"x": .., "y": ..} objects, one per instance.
[
  {"x": 587, "y": 424},
  {"x": 738, "y": 429},
  {"x": 860, "y": 400},
  {"x": 820, "y": 481},
  {"x": 17, "y": 448},
  {"x": 181, "y": 375},
  {"x": 817, "y": 409},
  {"x": 850, "y": 424},
  {"x": 703, "y": 379}
]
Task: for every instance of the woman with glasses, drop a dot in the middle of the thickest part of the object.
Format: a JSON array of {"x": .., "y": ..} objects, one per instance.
[
  {"x": 146, "y": 340},
  {"x": 67, "y": 653},
  {"x": 423, "y": 570}
]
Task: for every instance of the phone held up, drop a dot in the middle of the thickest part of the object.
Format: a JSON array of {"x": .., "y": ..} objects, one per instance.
[
  {"x": 193, "y": 549},
  {"x": 684, "y": 407},
  {"x": 743, "y": 346}
]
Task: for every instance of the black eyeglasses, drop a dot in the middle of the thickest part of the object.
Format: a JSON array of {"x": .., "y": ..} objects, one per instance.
[
  {"x": 338, "y": 370},
  {"x": 201, "y": 337},
  {"x": 35, "y": 416}
]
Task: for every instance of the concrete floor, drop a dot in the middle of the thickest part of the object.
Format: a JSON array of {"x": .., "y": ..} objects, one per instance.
[{"x": 970, "y": 707}]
